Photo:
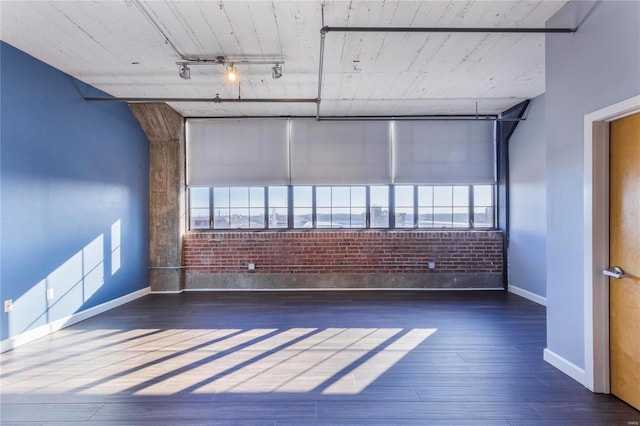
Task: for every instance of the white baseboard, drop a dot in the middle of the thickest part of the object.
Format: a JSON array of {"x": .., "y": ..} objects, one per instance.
[
  {"x": 36, "y": 333},
  {"x": 567, "y": 367},
  {"x": 528, "y": 295}
]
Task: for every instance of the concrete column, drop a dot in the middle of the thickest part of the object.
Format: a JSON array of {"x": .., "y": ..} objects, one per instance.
[{"x": 167, "y": 199}]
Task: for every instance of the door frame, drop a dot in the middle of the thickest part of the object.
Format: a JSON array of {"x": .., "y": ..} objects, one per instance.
[{"x": 596, "y": 240}]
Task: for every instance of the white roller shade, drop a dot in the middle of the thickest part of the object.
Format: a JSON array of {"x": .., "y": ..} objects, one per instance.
[
  {"x": 444, "y": 152},
  {"x": 237, "y": 152},
  {"x": 340, "y": 152}
]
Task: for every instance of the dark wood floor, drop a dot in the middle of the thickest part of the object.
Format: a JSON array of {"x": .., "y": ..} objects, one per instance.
[{"x": 312, "y": 358}]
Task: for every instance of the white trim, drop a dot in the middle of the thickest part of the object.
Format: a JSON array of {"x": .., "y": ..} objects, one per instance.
[
  {"x": 166, "y": 291},
  {"x": 528, "y": 295},
  {"x": 36, "y": 333},
  {"x": 564, "y": 365},
  {"x": 596, "y": 240}
]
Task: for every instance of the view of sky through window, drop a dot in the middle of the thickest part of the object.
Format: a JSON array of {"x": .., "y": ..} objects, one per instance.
[{"x": 342, "y": 206}]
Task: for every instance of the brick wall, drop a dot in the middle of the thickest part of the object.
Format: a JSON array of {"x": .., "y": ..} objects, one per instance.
[{"x": 316, "y": 252}]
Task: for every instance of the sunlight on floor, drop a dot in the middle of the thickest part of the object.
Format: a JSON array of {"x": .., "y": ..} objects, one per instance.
[{"x": 331, "y": 361}]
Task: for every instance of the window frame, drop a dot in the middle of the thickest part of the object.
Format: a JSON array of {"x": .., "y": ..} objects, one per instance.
[{"x": 471, "y": 225}]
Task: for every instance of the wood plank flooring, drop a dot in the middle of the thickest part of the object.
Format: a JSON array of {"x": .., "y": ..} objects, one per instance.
[{"x": 302, "y": 358}]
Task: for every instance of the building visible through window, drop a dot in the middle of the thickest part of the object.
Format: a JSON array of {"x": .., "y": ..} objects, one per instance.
[{"x": 342, "y": 207}]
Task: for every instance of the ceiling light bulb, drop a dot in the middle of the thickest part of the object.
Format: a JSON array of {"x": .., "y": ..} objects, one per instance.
[
  {"x": 276, "y": 71},
  {"x": 232, "y": 73},
  {"x": 184, "y": 72}
]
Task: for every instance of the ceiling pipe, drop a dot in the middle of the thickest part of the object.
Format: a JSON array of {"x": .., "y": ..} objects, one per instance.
[
  {"x": 416, "y": 117},
  {"x": 437, "y": 117},
  {"x": 230, "y": 63},
  {"x": 372, "y": 117},
  {"x": 221, "y": 60},
  {"x": 320, "y": 74},
  {"x": 428, "y": 117},
  {"x": 326, "y": 29},
  {"x": 217, "y": 100}
]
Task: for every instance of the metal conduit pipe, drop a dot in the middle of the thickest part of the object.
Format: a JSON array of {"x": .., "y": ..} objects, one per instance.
[
  {"x": 221, "y": 60},
  {"x": 320, "y": 74},
  {"x": 325, "y": 29},
  {"x": 214, "y": 100},
  {"x": 410, "y": 265},
  {"x": 424, "y": 117},
  {"x": 451, "y": 117},
  {"x": 437, "y": 117}
]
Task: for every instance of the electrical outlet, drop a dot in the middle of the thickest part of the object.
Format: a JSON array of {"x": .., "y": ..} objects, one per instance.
[
  {"x": 251, "y": 266},
  {"x": 432, "y": 265},
  {"x": 49, "y": 293},
  {"x": 8, "y": 305}
]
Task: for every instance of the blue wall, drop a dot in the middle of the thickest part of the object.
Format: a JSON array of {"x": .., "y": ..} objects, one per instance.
[
  {"x": 594, "y": 68},
  {"x": 528, "y": 202},
  {"x": 74, "y": 196}
]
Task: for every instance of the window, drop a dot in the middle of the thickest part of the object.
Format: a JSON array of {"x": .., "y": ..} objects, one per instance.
[
  {"x": 358, "y": 174},
  {"x": 278, "y": 211},
  {"x": 379, "y": 206},
  {"x": 303, "y": 207},
  {"x": 200, "y": 208},
  {"x": 404, "y": 203},
  {"x": 239, "y": 207},
  {"x": 342, "y": 207},
  {"x": 483, "y": 207},
  {"x": 443, "y": 206}
]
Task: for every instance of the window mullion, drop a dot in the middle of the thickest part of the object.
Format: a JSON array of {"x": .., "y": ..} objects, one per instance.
[
  {"x": 392, "y": 207},
  {"x": 266, "y": 208},
  {"x": 367, "y": 211},
  {"x": 211, "y": 215},
  {"x": 290, "y": 207},
  {"x": 416, "y": 219},
  {"x": 314, "y": 214},
  {"x": 471, "y": 208}
]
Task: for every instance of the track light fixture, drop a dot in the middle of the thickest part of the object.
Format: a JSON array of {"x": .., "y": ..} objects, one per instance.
[
  {"x": 232, "y": 73},
  {"x": 184, "y": 72},
  {"x": 276, "y": 71},
  {"x": 230, "y": 65}
]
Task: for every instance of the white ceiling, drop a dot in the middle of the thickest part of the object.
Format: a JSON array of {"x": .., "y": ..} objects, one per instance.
[{"x": 114, "y": 47}]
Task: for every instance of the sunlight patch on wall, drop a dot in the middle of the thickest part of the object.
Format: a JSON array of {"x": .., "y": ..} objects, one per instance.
[
  {"x": 61, "y": 293},
  {"x": 66, "y": 281},
  {"x": 116, "y": 235},
  {"x": 30, "y": 310},
  {"x": 93, "y": 267}
]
